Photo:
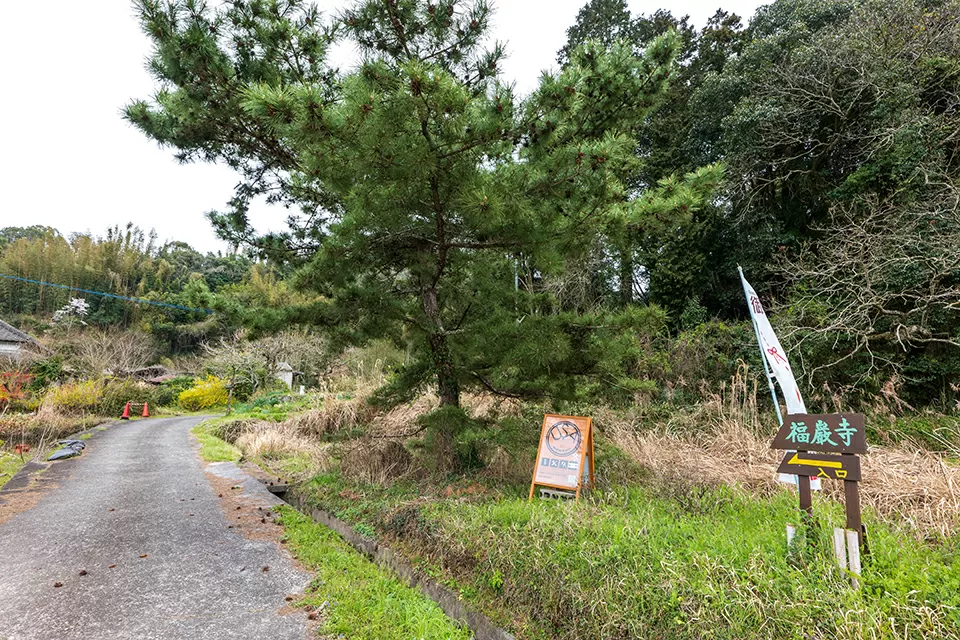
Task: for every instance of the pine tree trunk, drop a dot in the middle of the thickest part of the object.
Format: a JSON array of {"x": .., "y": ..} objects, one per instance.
[
  {"x": 626, "y": 277},
  {"x": 448, "y": 387}
]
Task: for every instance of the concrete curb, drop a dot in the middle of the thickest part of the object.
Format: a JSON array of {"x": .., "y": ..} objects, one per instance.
[{"x": 479, "y": 624}]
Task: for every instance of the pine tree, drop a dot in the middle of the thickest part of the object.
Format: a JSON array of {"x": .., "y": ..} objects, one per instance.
[{"x": 426, "y": 187}]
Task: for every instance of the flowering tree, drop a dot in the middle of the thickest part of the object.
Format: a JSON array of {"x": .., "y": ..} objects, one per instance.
[{"x": 73, "y": 312}]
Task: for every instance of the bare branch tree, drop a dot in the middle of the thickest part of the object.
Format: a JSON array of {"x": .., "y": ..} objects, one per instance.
[
  {"x": 885, "y": 274},
  {"x": 97, "y": 352}
]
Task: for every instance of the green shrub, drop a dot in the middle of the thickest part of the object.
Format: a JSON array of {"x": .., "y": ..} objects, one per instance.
[
  {"x": 169, "y": 391},
  {"x": 205, "y": 393},
  {"x": 45, "y": 372},
  {"x": 270, "y": 399},
  {"x": 116, "y": 393}
]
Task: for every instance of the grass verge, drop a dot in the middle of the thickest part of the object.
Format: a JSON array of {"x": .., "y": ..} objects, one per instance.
[
  {"x": 355, "y": 598},
  {"x": 646, "y": 563},
  {"x": 212, "y": 448},
  {"x": 662, "y": 550},
  {"x": 9, "y": 465}
]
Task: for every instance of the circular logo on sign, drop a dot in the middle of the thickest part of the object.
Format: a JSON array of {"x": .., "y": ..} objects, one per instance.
[{"x": 563, "y": 438}]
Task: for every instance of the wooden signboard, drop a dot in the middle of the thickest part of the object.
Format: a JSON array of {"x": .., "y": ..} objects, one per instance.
[
  {"x": 565, "y": 454},
  {"x": 840, "y": 434},
  {"x": 829, "y": 433},
  {"x": 821, "y": 466}
]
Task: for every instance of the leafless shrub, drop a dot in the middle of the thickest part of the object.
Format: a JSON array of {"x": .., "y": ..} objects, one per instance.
[
  {"x": 97, "y": 352},
  {"x": 880, "y": 279},
  {"x": 255, "y": 362}
]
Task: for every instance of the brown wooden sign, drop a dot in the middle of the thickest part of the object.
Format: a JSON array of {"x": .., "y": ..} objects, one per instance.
[
  {"x": 827, "y": 433},
  {"x": 819, "y": 465},
  {"x": 565, "y": 454},
  {"x": 836, "y": 433}
]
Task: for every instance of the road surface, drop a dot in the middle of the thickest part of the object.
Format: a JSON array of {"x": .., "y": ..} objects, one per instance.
[{"x": 138, "y": 499}]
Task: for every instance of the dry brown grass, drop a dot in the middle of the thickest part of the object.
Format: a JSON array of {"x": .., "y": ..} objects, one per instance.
[
  {"x": 723, "y": 441},
  {"x": 379, "y": 454},
  {"x": 376, "y": 461},
  {"x": 332, "y": 414},
  {"x": 401, "y": 420},
  {"x": 488, "y": 405},
  {"x": 41, "y": 428},
  {"x": 274, "y": 441}
]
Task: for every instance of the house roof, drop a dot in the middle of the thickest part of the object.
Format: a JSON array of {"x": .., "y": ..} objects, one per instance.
[{"x": 12, "y": 334}]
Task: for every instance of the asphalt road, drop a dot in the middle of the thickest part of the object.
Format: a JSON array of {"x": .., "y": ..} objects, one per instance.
[{"x": 139, "y": 490}]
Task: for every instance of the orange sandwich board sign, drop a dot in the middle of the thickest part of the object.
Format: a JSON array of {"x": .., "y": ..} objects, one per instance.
[{"x": 565, "y": 454}]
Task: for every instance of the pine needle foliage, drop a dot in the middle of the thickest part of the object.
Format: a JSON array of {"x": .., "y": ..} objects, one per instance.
[{"x": 435, "y": 205}]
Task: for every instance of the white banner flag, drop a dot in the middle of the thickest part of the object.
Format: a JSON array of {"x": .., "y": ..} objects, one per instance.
[
  {"x": 779, "y": 366},
  {"x": 774, "y": 353}
]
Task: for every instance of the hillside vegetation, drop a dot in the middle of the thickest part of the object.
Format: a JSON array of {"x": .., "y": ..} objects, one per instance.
[{"x": 460, "y": 259}]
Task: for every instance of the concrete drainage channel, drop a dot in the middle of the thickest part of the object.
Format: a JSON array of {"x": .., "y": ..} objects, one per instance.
[{"x": 385, "y": 557}]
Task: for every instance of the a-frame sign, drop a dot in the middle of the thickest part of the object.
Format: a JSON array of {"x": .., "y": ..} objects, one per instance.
[{"x": 565, "y": 455}]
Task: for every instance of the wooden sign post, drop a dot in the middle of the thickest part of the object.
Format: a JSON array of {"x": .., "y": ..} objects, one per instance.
[
  {"x": 565, "y": 454},
  {"x": 826, "y": 446}
]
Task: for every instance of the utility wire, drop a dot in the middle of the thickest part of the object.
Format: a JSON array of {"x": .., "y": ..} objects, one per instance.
[{"x": 107, "y": 295}]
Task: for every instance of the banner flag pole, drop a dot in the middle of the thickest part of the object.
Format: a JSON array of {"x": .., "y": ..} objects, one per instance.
[{"x": 763, "y": 356}]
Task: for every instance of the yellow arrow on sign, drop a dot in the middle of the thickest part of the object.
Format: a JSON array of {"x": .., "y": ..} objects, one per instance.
[{"x": 796, "y": 459}]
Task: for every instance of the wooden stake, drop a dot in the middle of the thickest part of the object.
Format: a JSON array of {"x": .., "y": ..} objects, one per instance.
[
  {"x": 853, "y": 552},
  {"x": 840, "y": 547},
  {"x": 806, "y": 500},
  {"x": 851, "y": 492}
]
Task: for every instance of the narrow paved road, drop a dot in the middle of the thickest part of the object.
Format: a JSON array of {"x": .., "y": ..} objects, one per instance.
[{"x": 139, "y": 490}]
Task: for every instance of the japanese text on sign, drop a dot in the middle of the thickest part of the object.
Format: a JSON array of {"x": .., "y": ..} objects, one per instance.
[{"x": 831, "y": 433}]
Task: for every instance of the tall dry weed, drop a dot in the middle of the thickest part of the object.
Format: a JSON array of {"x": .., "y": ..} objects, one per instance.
[
  {"x": 725, "y": 440},
  {"x": 275, "y": 441},
  {"x": 41, "y": 429},
  {"x": 331, "y": 414},
  {"x": 376, "y": 461}
]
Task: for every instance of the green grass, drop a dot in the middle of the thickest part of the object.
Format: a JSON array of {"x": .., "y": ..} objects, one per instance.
[
  {"x": 642, "y": 564},
  {"x": 212, "y": 448},
  {"x": 9, "y": 465},
  {"x": 356, "y": 598}
]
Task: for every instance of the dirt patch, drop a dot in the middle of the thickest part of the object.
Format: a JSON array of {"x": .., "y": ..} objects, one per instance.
[{"x": 250, "y": 517}]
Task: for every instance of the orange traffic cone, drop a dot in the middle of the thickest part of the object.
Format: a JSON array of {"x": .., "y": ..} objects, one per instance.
[
  {"x": 146, "y": 414},
  {"x": 126, "y": 412}
]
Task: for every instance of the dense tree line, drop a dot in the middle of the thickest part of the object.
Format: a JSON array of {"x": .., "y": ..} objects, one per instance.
[
  {"x": 530, "y": 243},
  {"x": 126, "y": 262},
  {"x": 838, "y": 124}
]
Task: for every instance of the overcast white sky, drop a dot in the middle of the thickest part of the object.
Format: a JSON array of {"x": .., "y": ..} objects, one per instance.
[{"x": 69, "y": 161}]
